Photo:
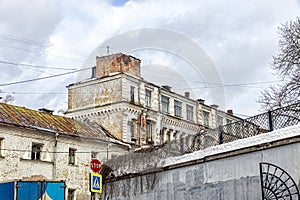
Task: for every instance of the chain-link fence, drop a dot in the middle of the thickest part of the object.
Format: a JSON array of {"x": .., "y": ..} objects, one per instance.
[{"x": 263, "y": 123}]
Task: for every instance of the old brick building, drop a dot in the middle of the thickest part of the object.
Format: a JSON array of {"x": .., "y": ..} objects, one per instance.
[{"x": 137, "y": 111}]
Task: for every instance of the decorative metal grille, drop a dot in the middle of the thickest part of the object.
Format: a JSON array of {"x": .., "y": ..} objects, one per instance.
[{"x": 277, "y": 184}]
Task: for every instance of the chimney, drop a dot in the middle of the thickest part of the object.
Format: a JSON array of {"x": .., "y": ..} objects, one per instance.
[
  {"x": 230, "y": 112},
  {"x": 201, "y": 101},
  {"x": 187, "y": 94},
  {"x": 167, "y": 87},
  {"x": 117, "y": 63},
  {"x": 214, "y": 106},
  {"x": 45, "y": 110}
]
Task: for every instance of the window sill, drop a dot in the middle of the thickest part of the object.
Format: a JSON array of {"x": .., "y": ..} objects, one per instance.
[
  {"x": 41, "y": 161},
  {"x": 72, "y": 165}
]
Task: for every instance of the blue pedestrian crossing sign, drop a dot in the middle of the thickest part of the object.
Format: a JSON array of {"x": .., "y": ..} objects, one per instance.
[{"x": 96, "y": 183}]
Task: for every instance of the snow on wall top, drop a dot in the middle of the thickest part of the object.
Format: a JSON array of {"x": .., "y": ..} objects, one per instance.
[{"x": 273, "y": 136}]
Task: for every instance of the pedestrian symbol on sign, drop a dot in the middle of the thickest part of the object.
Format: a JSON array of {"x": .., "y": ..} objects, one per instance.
[{"x": 96, "y": 183}]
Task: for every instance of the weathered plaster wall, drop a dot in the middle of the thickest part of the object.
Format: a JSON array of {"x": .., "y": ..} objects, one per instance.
[
  {"x": 94, "y": 93},
  {"x": 16, "y": 163}
]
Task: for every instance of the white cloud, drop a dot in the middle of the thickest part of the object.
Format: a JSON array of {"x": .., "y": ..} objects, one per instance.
[{"x": 240, "y": 37}]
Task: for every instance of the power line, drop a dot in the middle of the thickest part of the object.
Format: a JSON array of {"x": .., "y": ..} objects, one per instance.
[
  {"x": 42, "y": 53},
  {"x": 35, "y": 66},
  {"x": 42, "y": 78},
  {"x": 63, "y": 152}
]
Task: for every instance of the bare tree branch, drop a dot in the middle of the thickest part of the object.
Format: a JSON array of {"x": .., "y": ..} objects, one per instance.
[{"x": 287, "y": 65}]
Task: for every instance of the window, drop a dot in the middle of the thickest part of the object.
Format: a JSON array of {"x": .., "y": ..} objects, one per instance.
[
  {"x": 71, "y": 194},
  {"x": 220, "y": 121},
  {"x": 149, "y": 130},
  {"x": 228, "y": 121},
  {"x": 72, "y": 156},
  {"x": 148, "y": 97},
  {"x": 36, "y": 151},
  {"x": 131, "y": 128},
  {"x": 177, "y": 108},
  {"x": 189, "y": 112},
  {"x": 94, "y": 154},
  {"x": 1, "y": 146},
  {"x": 131, "y": 94},
  {"x": 205, "y": 118},
  {"x": 164, "y": 104},
  {"x": 93, "y": 72}
]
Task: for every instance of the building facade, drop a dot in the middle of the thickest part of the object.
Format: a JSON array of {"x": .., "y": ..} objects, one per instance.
[
  {"x": 35, "y": 145},
  {"x": 137, "y": 111}
]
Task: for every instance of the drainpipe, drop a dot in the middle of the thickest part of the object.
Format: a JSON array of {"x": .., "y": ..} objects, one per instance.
[{"x": 54, "y": 157}]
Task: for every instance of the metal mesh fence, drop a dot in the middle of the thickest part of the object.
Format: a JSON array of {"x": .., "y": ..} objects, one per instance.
[
  {"x": 146, "y": 159},
  {"x": 263, "y": 123}
]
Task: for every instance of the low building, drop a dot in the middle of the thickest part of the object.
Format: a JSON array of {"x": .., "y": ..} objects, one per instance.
[
  {"x": 40, "y": 145},
  {"x": 137, "y": 111}
]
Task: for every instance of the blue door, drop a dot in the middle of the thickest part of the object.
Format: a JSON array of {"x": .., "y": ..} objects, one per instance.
[{"x": 32, "y": 190}]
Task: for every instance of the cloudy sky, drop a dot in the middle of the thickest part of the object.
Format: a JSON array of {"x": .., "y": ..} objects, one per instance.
[{"x": 209, "y": 48}]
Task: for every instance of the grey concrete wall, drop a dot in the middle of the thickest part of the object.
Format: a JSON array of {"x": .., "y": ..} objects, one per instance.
[{"x": 228, "y": 178}]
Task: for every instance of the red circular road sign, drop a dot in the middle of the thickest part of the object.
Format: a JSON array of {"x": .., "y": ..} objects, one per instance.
[{"x": 96, "y": 165}]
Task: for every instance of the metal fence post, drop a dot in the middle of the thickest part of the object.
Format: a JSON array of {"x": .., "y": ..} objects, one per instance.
[
  {"x": 220, "y": 134},
  {"x": 270, "y": 120}
]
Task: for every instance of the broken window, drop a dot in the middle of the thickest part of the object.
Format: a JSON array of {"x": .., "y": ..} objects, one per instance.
[
  {"x": 36, "y": 151},
  {"x": 72, "y": 156}
]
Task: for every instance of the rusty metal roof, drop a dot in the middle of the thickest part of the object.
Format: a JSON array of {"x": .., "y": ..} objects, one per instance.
[{"x": 27, "y": 118}]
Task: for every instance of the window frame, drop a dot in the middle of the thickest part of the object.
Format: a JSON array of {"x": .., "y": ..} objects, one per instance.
[
  {"x": 72, "y": 154},
  {"x": 71, "y": 192},
  {"x": 220, "y": 120},
  {"x": 131, "y": 129},
  {"x": 177, "y": 108},
  {"x": 132, "y": 90},
  {"x": 149, "y": 131},
  {"x": 94, "y": 72},
  {"x": 205, "y": 115},
  {"x": 165, "y": 104},
  {"x": 1, "y": 146},
  {"x": 189, "y": 112},
  {"x": 36, "y": 151},
  {"x": 148, "y": 94}
]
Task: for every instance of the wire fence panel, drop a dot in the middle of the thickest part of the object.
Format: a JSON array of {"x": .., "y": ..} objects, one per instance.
[{"x": 262, "y": 123}]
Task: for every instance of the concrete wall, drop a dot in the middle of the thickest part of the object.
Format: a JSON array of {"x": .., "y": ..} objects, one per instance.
[{"x": 224, "y": 172}]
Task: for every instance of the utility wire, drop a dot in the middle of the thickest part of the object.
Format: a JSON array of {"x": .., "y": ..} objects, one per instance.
[
  {"x": 41, "y": 78},
  {"x": 35, "y": 66}
]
